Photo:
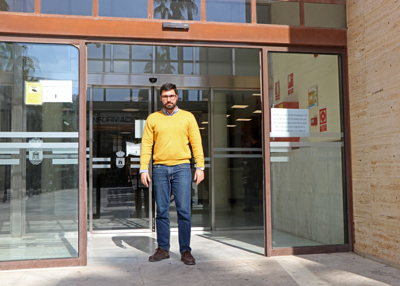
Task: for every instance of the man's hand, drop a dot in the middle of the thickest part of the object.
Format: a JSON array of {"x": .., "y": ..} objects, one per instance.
[
  {"x": 199, "y": 176},
  {"x": 145, "y": 178}
]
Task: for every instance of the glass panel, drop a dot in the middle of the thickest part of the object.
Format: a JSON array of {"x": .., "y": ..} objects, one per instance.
[
  {"x": 197, "y": 102},
  {"x": 27, "y": 6},
  {"x": 307, "y": 150},
  {"x": 39, "y": 85},
  {"x": 235, "y": 11},
  {"x": 238, "y": 159},
  {"x": 121, "y": 58},
  {"x": 99, "y": 56},
  {"x": 142, "y": 59},
  {"x": 278, "y": 12},
  {"x": 215, "y": 61},
  {"x": 67, "y": 7},
  {"x": 247, "y": 62},
  {"x": 325, "y": 15},
  {"x": 123, "y": 8},
  {"x": 120, "y": 201},
  {"x": 173, "y": 60},
  {"x": 177, "y": 10}
]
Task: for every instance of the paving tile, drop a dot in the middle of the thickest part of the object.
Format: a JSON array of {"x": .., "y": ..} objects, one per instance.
[{"x": 218, "y": 263}]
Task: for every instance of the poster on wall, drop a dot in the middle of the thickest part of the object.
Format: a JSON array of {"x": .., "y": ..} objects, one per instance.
[
  {"x": 290, "y": 84},
  {"x": 57, "y": 90},
  {"x": 323, "y": 120},
  {"x": 33, "y": 93},
  {"x": 285, "y": 121},
  {"x": 277, "y": 91},
  {"x": 313, "y": 97}
]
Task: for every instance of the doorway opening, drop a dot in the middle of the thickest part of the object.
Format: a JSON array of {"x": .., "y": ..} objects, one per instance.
[{"x": 221, "y": 87}]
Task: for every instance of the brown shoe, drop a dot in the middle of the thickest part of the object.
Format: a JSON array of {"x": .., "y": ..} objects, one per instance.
[
  {"x": 160, "y": 254},
  {"x": 187, "y": 258}
]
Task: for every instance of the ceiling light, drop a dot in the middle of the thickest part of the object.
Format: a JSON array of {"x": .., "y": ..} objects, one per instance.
[
  {"x": 130, "y": 109},
  {"x": 204, "y": 122},
  {"x": 243, "y": 119},
  {"x": 256, "y": 94},
  {"x": 228, "y": 115},
  {"x": 240, "y": 106},
  {"x": 202, "y": 128},
  {"x": 230, "y": 125},
  {"x": 257, "y": 111}
]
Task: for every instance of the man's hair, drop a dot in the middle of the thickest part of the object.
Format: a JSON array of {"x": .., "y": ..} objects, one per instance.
[{"x": 168, "y": 87}]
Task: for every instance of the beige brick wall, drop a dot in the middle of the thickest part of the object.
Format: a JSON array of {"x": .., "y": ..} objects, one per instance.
[{"x": 374, "y": 83}]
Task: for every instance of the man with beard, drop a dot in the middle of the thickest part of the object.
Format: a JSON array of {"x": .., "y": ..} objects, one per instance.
[{"x": 170, "y": 131}]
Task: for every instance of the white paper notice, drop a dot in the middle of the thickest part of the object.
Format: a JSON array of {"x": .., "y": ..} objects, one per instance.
[
  {"x": 139, "y": 128},
  {"x": 57, "y": 90},
  {"x": 286, "y": 121}
]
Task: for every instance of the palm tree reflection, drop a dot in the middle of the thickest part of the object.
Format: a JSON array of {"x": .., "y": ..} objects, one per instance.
[
  {"x": 4, "y": 6},
  {"x": 163, "y": 62},
  {"x": 13, "y": 58},
  {"x": 175, "y": 9}
]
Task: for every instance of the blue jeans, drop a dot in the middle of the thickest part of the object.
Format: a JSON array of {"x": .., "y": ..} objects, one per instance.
[{"x": 179, "y": 178}]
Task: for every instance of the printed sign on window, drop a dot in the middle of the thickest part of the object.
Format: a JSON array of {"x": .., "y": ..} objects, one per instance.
[
  {"x": 33, "y": 93},
  {"x": 285, "y": 121},
  {"x": 57, "y": 90}
]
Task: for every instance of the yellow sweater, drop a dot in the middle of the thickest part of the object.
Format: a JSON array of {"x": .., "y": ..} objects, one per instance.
[{"x": 171, "y": 136}]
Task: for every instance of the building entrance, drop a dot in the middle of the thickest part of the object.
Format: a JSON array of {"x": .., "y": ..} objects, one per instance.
[{"x": 221, "y": 87}]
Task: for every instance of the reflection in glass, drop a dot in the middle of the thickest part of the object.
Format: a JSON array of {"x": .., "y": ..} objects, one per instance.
[
  {"x": 38, "y": 172},
  {"x": 278, "y": 12},
  {"x": 324, "y": 15},
  {"x": 67, "y": 7},
  {"x": 307, "y": 182},
  {"x": 215, "y": 61},
  {"x": 27, "y": 6},
  {"x": 198, "y": 103},
  {"x": 235, "y": 11},
  {"x": 177, "y": 9},
  {"x": 247, "y": 62},
  {"x": 99, "y": 56},
  {"x": 138, "y": 59},
  {"x": 123, "y": 8},
  {"x": 120, "y": 200},
  {"x": 238, "y": 159}
]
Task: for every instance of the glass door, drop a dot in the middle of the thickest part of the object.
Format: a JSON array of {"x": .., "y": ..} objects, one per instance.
[{"x": 117, "y": 199}]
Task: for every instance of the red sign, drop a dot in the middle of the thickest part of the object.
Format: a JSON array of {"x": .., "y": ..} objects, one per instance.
[
  {"x": 277, "y": 91},
  {"x": 323, "y": 127},
  {"x": 314, "y": 121},
  {"x": 290, "y": 84},
  {"x": 322, "y": 116}
]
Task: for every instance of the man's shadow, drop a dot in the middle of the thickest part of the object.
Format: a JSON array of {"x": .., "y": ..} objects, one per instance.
[{"x": 143, "y": 243}]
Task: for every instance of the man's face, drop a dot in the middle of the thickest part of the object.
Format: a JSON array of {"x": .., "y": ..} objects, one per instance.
[{"x": 168, "y": 99}]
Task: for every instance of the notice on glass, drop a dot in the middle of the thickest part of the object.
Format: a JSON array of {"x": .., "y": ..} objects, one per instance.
[
  {"x": 286, "y": 121},
  {"x": 57, "y": 90},
  {"x": 139, "y": 128},
  {"x": 33, "y": 93}
]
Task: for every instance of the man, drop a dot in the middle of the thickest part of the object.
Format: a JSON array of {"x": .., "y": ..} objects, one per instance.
[{"x": 171, "y": 130}]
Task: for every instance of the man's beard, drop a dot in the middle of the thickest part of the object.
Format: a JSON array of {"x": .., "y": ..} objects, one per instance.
[{"x": 169, "y": 106}]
